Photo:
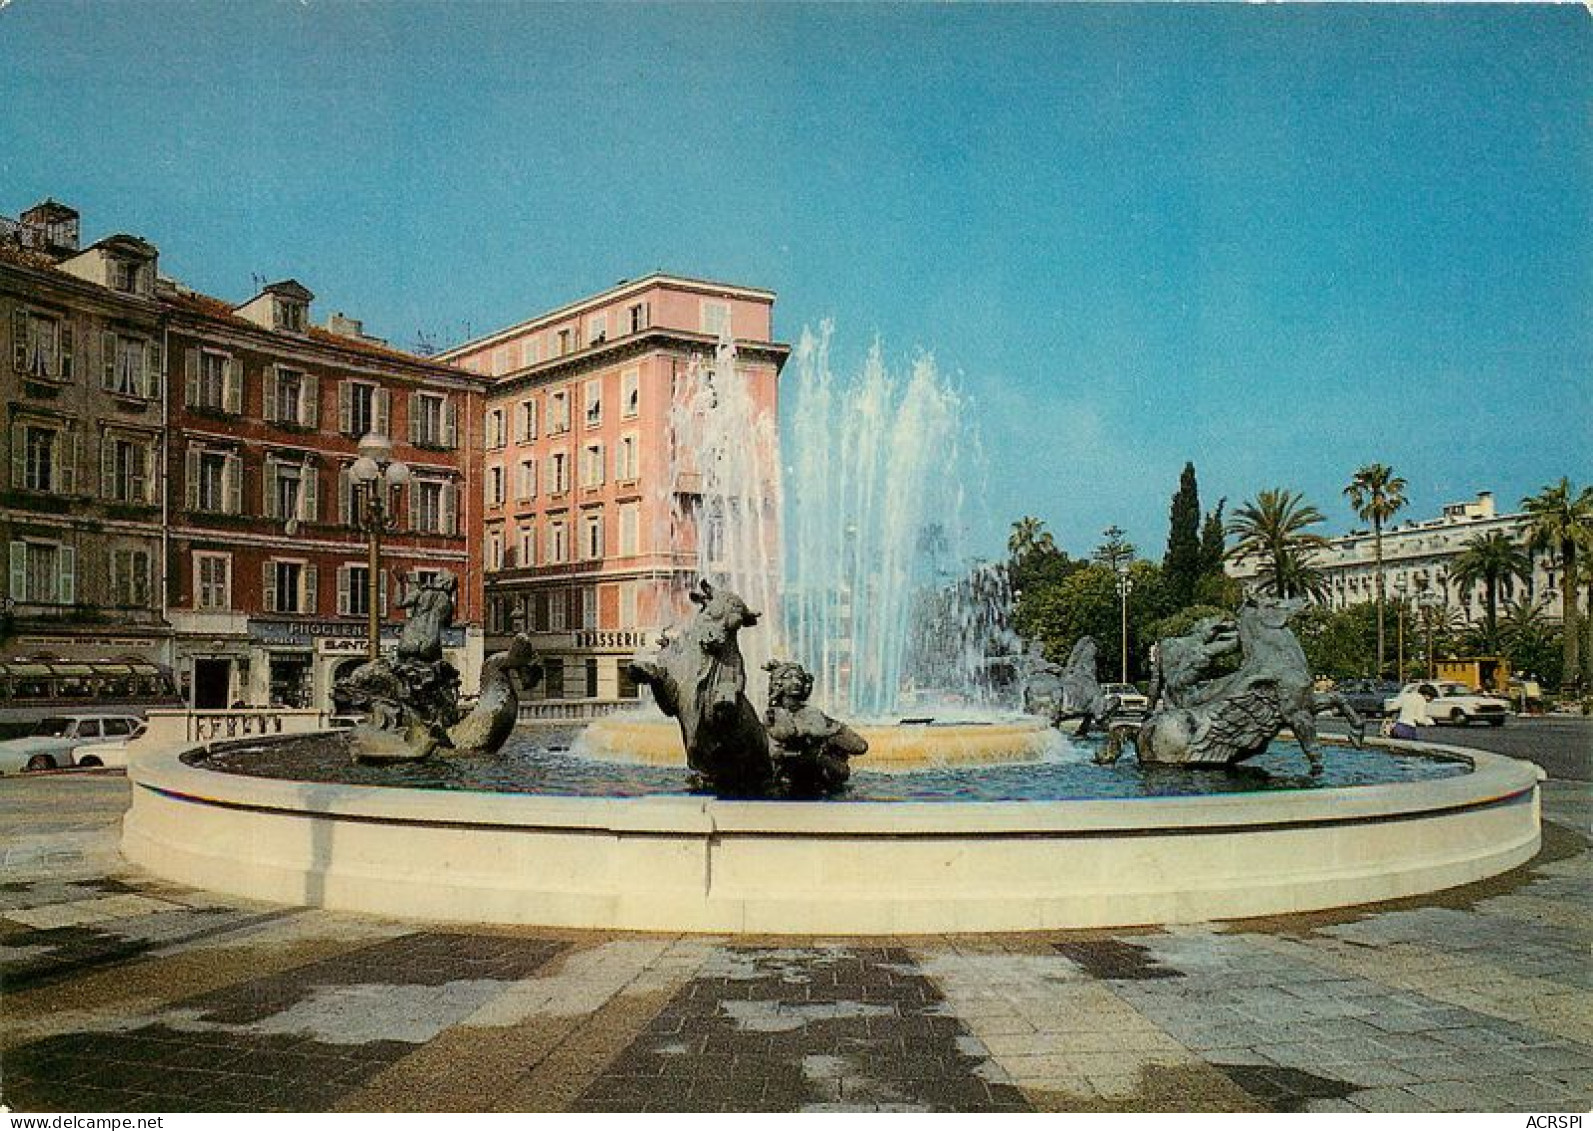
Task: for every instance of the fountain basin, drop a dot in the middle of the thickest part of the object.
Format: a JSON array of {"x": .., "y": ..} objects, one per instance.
[
  {"x": 686, "y": 863},
  {"x": 892, "y": 747}
]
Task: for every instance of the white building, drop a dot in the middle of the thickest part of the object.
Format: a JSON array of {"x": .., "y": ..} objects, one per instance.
[{"x": 1417, "y": 556}]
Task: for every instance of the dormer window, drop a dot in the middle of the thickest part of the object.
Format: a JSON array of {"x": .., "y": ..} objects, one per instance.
[
  {"x": 288, "y": 314},
  {"x": 125, "y": 275}
]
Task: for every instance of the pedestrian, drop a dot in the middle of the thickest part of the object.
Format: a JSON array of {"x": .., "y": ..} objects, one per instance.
[{"x": 1412, "y": 708}]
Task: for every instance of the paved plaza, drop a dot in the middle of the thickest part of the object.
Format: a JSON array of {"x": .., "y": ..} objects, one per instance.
[{"x": 124, "y": 993}]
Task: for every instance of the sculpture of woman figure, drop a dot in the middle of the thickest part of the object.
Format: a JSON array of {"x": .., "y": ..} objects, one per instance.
[
  {"x": 431, "y": 611},
  {"x": 810, "y": 748}
]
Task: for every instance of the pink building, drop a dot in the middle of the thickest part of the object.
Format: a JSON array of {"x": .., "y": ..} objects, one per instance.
[{"x": 587, "y": 542}]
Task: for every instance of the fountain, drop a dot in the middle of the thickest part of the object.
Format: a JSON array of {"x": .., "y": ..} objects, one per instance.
[{"x": 765, "y": 825}]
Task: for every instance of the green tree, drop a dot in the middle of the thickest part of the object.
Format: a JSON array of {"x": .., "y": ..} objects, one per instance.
[
  {"x": 1532, "y": 641},
  {"x": 1085, "y": 603},
  {"x": 1274, "y": 529},
  {"x": 1494, "y": 561},
  {"x": 1029, "y": 536},
  {"x": 1560, "y": 521},
  {"x": 1181, "y": 566},
  {"x": 1116, "y": 552},
  {"x": 1213, "y": 543},
  {"x": 1377, "y": 495}
]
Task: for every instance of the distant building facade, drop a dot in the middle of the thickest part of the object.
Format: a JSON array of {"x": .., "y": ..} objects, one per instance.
[
  {"x": 179, "y": 481},
  {"x": 1417, "y": 557},
  {"x": 584, "y": 538}
]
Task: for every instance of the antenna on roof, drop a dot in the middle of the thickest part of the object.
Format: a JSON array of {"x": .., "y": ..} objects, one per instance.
[{"x": 259, "y": 281}]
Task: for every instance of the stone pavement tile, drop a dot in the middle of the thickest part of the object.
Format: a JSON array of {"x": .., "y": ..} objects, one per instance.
[
  {"x": 771, "y": 1043},
  {"x": 1389, "y": 1099}
]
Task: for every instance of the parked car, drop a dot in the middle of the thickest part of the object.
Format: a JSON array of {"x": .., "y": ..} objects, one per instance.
[
  {"x": 55, "y": 741},
  {"x": 1130, "y": 700},
  {"x": 1367, "y": 696},
  {"x": 1456, "y": 703}
]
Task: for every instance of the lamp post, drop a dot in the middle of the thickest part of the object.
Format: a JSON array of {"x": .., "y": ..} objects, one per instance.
[
  {"x": 1400, "y": 586},
  {"x": 377, "y": 478},
  {"x": 1125, "y": 586}
]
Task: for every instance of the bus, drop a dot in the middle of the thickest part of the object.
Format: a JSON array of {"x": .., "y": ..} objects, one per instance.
[{"x": 35, "y": 688}]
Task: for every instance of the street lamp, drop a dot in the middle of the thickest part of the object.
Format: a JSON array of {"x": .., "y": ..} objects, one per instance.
[
  {"x": 1125, "y": 586},
  {"x": 377, "y": 478},
  {"x": 1400, "y": 586}
]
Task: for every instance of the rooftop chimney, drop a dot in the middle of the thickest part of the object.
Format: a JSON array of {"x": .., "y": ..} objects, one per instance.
[{"x": 50, "y": 226}]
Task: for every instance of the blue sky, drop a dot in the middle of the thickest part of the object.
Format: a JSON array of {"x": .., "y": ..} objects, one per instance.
[{"x": 1279, "y": 241}]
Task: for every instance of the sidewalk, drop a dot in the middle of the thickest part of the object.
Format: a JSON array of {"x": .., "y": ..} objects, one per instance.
[{"x": 125, "y": 994}]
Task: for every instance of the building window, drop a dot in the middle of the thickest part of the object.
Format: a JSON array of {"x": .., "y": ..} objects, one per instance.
[
  {"x": 41, "y": 346},
  {"x": 495, "y": 490},
  {"x": 592, "y": 465},
  {"x": 354, "y": 590},
  {"x": 126, "y": 275},
  {"x": 630, "y": 393},
  {"x": 627, "y": 463},
  {"x": 528, "y": 480},
  {"x": 504, "y": 360},
  {"x": 592, "y": 536},
  {"x": 528, "y": 544},
  {"x": 130, "y": 578},
  {"x": 638, "y": 315},
  {"x": 596, "y": 329},
  {"x": 565, "y": 340},
  {"x": 494, "y": 549},
  {"x": 291, "y": 491},
  {"x": 432, "y": 421},
  {"x": 213, "y": 379},
  {"x": 497, "y": 434},
  {"x": 291, "y": 397},
  {"x": 288, "y": 314},
  {"x": 212, "y": 581},
  {"x": 362, "y": 409},
  {"x": 431, "y": 506},
  {"x": 559, "y": 412},
  {"x": 557, "y": 543},
  {"x": 531, "y": 350},
  {"x": 288, "y": 588},
  {"x": 630, "y": 525},
  {"x": 558, "y": 473},
  {"x": 43, "y": 573},
  {"x": 715, "y": 317},
  {"x": 592, "y": 402},
  {"x": 215, "y": 482},
  {"x": 627, "y": 605},
  {"x": 41, "y": 458},
  {"x": 589, "y": 616},
  {"x": 132, "y": 366},
  {"x": 553, "y": 675},
  {"x": 124, "y": 471},
  {"x": 528, "y": 421}
]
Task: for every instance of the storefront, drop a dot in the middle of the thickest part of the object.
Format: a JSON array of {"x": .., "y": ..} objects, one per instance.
[{"x": 297, "y": 663}]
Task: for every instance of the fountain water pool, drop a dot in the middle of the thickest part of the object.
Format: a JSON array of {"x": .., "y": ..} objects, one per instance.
[{"x": 676, "y": 862}]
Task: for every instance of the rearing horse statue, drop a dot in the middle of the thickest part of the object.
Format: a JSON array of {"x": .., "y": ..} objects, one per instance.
[{"x": 700, "y": 679}]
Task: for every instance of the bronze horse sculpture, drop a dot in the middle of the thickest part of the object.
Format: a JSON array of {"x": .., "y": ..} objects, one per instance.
[{"x": 699, "y": 678}]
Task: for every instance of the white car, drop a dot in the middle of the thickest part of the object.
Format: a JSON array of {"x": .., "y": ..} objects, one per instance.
[
  {"x": 1455, "y": 703},
  {"x": 1129, "y": 698},
  {"x": 66, "y": 740}
]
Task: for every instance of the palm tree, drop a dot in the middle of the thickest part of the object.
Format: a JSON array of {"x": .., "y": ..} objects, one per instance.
[
  {"x": 1496, "y": 561},
  {"x": 1560, "y": 521},
  {"x": 1376, "y": 495},
  {"x": 1273, "y": 528},
  {"x": 1028, "y": 536}
]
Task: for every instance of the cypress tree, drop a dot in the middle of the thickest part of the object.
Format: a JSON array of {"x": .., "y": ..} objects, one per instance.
[
  {"x": 1212, "y": 541},
  {"x": 1181, "y": 568}
]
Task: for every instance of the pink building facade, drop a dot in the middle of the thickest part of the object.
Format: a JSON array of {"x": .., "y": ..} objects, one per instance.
[{"x": 588, "y": 540}]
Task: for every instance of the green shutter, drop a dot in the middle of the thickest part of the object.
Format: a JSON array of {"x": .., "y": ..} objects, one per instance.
[
  {"x": 384, "y": 412},
  {"x": 107, "y": 466},
  {"x": 345, "y": 407},
  {"x": 107, "y": 360},
  {"x": 312, "y": 589},
  {"x": 19, "y": 571},
  {"x": 190, "y": 377},
  {"x": 67, "y": 368},
  {"x": 268, "y": 585},
  {"x": 234, "y": 481},
  {"x": 154, "y": 362},
  {"x": 310, "y": 495},
  {"x": 311, "y": 401},
  {"x": 233, "y": 383},
  {"x": 191, "y": 472},
  {"x": 70, "y": 453},
  {"x": 66, "y": 557},
  {"x": 19, "y": 344}
]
